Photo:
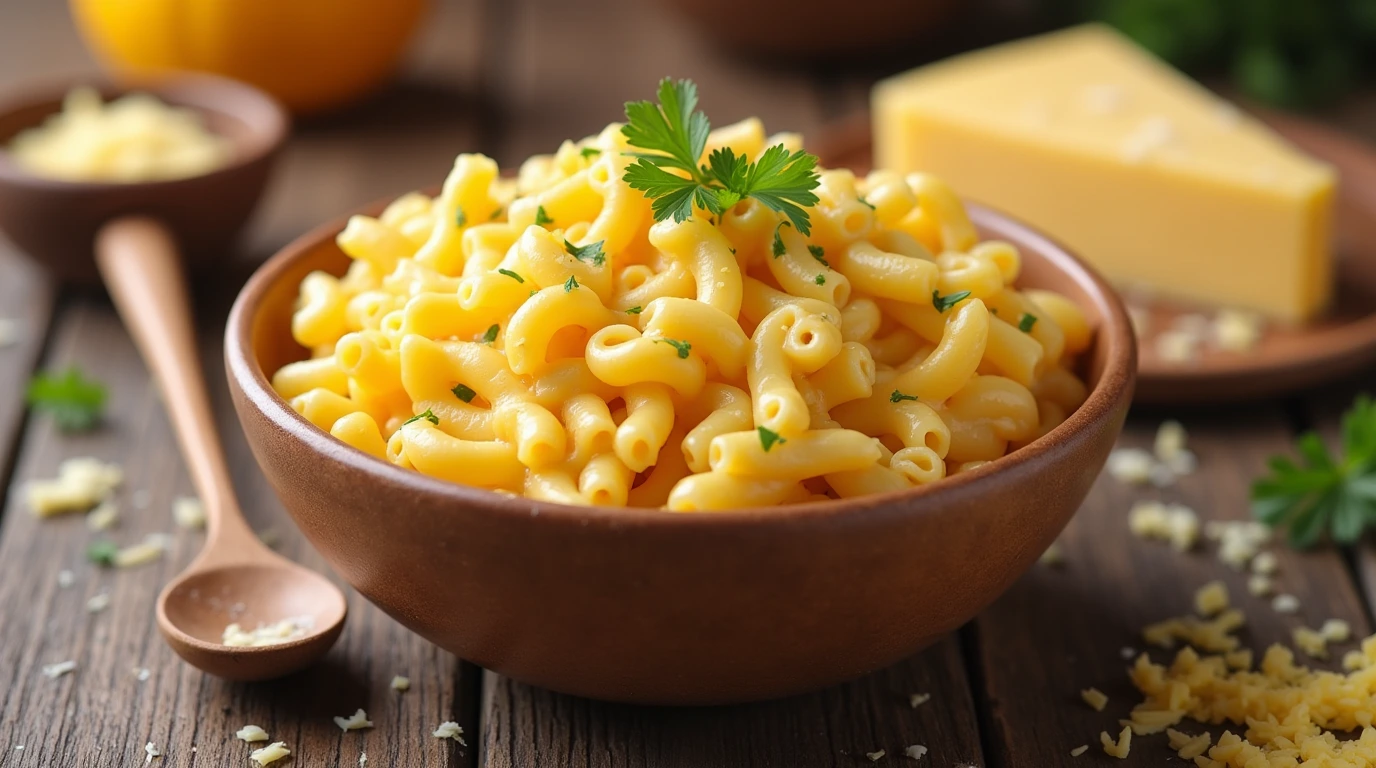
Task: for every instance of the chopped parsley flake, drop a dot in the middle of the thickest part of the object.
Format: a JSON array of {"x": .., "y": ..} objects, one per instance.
[
  {"x": 491, "y": 334},
  {"x": 570, "y": 284},
  {"x": 592, "y": 252},
  {"x": 634, "y": 310},
  {"x": 512, "y": 275},
  {"x": 589, "y": 152},
  {"x": 102, "y": 552},
  {"x": 1026, "y": 322},
  {"x": 429, "y": 416},
  {"x": 820, "y": 279},
  {"x": 779, "y": 248},
  {"x": 898, "y": 397},
  {"x": 863, "y": 201},
  {"x": 460, "y": 218},
  {"x": 819, "y": 254},
  {"x": 464, "y": 392},
  {"x": 943, "y": 303},
  {"x": 768, "y": 438},
  {"x": 542, "y": 218},
  {"x": 682, "y": 346}
]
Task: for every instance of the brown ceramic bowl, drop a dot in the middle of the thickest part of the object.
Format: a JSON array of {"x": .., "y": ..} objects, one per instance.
[
  {"x": 647, "y": 606},
  {"x": 55, "y": 221}
]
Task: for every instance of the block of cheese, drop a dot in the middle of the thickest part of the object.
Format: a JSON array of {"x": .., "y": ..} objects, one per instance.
[{"x": 1138, "y": 169}]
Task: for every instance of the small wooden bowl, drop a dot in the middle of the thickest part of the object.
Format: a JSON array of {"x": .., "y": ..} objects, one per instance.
[
  {"x": 55, "y": 221},
  {"x": 648, "y": 606}
]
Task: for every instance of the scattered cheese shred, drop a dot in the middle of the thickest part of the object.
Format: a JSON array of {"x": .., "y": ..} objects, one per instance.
[
  {"x": 450, "y": 730},
  {"x": 1094, "y": 698},
  {"x": 1336, "y": 631},
  {"x": 915, "y": 751},
  {"x": 1285, "y": 604},
  {"x": 1186, "y": 746},
  {"x": 1211, "y": 599},
  {"x": 152, "y": 752},
  {"x": 81, "y": 483},
  {"x": 1120, "y": 748},
  {"x": 1238, "y": 540},
  {"x": 103, "y": 516},
  {"x": 1130, "y": 465},
  {"x": 1174, "y": 523},
  {"x": 65, "y": 578},
  {"x": 188, "y": 512},
  {"x": 54, "y": 671},
  {"x": 400, "y": 683},
  {"x": 271, "y": 753},
  {"x": 1210, "y": 635},
  {"x": 362, "y": 759},
  {"x": 1313, "y": 643},
  {"x": 1265, "y": 563},
  {"x": 1236, "y": 330},
  {"x": 267, "y": 634},
  {"x": 1260, "y": 585},
  {"x": 98, "y": 603},
  {"x": 354, "y": 722},
  {"x": 251, "y": 733},
  {"x": 916, "y": 700},
  {"x": 1080, "y": 750},
  {"x": 146, "y": 551},
  {"x": 875, "y": 756}
]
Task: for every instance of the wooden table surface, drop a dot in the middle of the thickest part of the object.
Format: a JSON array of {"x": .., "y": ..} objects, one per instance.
[{"x": 494, "y": 77}]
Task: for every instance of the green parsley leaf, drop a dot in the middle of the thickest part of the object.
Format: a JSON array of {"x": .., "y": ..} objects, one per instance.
[
  {"x": 779, "y": 248},
  {"x": 102, "y": 552},
  {"x": 460, "y": 218},
  {"x": 592, "y": 252},
  {"x": 464, "y": 392},
  {"x": 542, "y": 218},
  {"x": 511, "y": 275},
  {"x": 733, "y": 251},
  {"x": 672, "y": 136},
  {"x": 1322, "y": 494},
  {"x": 819, "y": 254},
  {"x": 863, "y": 201},
  {"x": 570, "y": 284},
  {"x": 683, "y": 347},
  {"x": 1026, "y": 322},
  {"x": 634, "y": 310},
  {"x": 429, "y": 416},
  {"x": 943, "y": 303},
  {"x": 532, "y": 293},
  {"x": 497, "y": 214},
  {"x": 768, "y": 438},
  {"x": 589, "y": 152},
  {"x": 898, "y": 397},
  {"x": 820, "y": 279},
  {"x": 491, "y": 334},
  {"x": 74, "y": 401}
]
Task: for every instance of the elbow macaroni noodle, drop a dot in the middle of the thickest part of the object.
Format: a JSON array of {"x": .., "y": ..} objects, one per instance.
[{"x": 544, "y": 336}]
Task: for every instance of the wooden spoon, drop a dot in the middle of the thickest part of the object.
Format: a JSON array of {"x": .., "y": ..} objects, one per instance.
[{"x": 138, "y": 260}]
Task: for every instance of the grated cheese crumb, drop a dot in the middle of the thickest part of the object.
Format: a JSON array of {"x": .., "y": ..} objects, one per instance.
[
  {"x": 362, "y": 759},
  {"x": 1211, "y": 599},
  {"x": 81, "y": 483},
  {"x": 1211, "y": 634},
  {"x": 400, "y": 683},
  {"x": 54, "y": 671},
  {"x": 103, "y": 516},
  {"x": 9, "y": 334},
  {"x": 916, "y": 700},
  {"x": 151, "y": 751},
  {"x": 1177, "y": 346},
  {"x": 252, "y": 733},
  {"x": 1311, "y": 642},
  {"x": 1239, "y": 541},
  {"x": 450, "y": 730},
  {"x": 915, "y": 751},
  {"x": 354, "y": 722},
  {"x": 1080, "y": 750},
  {"x": 65, "y": 578},
  {"x": 1354, "y": 660},
  {"x": 1336, "y": 631},
  {"x": 1094, "y": 698},
  {"x": 875, "y": 756},
  {"x": 1130, "y": 465},
  {"x": 1170, "y": 441},
  {"x": 271, "y": 753},
  {"x": 1236, "y": 330},
  {"x": 1259, "y": 585},
  {"x": 188, "y": 512},
  {"x": 141, "y": 673},
  {"x": 1173, "y": 523},
  {"x": 98, "y": 603},
  {"x": 1120, "y": 748},
  {"x": 147, "y": 551},
  {"x": 1186, "y": 746},
  {"x": 283, "y": 631},
  {"x": 1265, "y": 563},
  {"x": 1239, "y": 659},
  {"x": 1285, "y": 604}
]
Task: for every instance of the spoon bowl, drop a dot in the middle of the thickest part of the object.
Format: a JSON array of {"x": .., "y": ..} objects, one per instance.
[{"x": 133, "y": 232}]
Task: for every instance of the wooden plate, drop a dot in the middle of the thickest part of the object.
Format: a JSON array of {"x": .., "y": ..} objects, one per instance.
[{"x": 1286, "y": 358}]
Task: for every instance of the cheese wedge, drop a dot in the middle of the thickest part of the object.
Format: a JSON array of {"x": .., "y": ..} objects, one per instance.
[{"x": 1135, "y": 167}]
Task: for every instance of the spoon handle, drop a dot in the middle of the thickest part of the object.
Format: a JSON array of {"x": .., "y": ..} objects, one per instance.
[{"x": 138, "y": 259}]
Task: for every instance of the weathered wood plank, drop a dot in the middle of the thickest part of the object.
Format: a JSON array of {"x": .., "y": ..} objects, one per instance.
[
  {"x": 102, "y": 714},
  {"x": 26, "y": 310},
  {"x": 1060, "y": 630},
  {"x": 525, "y": 726}
]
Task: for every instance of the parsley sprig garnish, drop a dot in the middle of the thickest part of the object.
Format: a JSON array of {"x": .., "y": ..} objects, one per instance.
[
  {"x": 1322, "y": 494},
  {"x": 672, "y": 136},
  {"x": 74, "y": 401}
]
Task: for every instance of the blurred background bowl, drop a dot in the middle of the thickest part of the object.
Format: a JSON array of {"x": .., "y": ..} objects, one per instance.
[{"x": 312, "y": 55}]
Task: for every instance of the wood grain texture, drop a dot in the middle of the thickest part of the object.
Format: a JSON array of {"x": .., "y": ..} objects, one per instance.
[
  {"x": 1062, "y": 629},
  {"x": 525, "y": 726},
  {"x": 26, "y": 305}
]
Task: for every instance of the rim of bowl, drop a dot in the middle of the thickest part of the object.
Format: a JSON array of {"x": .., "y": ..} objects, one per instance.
[
  {"x": 1113, "y": 389},
  {"x": 266, "y": 122}
]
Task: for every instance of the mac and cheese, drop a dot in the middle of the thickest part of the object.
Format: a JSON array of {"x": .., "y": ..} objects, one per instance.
[{"x": 545, "y": 336}]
